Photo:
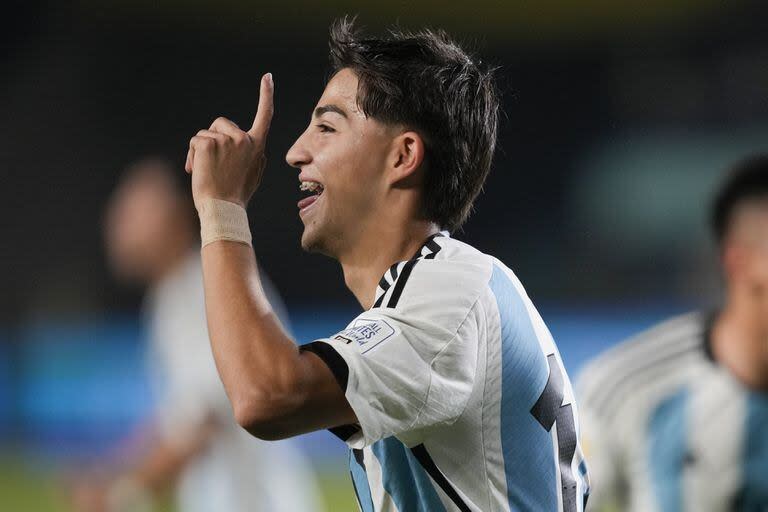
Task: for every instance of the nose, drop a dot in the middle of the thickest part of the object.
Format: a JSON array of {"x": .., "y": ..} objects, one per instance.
[{"x": 299, "y": 154}]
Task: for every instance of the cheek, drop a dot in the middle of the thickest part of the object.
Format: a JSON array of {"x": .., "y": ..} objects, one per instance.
[{"x": 351, "y": 169}]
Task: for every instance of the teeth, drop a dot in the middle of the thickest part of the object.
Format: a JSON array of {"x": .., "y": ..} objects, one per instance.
[{"x": 310, "y": 186}]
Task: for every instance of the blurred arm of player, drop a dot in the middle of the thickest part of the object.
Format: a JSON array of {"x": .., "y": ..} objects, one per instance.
[
  {"x": 275, "y": 390},
  {"x": 143, "y": 477}
]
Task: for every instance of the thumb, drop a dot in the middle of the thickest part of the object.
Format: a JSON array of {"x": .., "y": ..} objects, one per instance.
[{"x": 263, "y": 117}]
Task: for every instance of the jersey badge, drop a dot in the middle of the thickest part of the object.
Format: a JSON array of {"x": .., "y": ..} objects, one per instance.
[{"x": 366, "y": 332}]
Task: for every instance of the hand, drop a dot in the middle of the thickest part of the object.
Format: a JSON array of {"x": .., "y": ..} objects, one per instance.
[{"x": 226, "y": 162}]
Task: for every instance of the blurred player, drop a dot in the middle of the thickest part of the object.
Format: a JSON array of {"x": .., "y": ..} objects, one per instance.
[
  {"x": 676, "y": 419},
  {"x": 448, "y": 388},
  {"x": 193, "y": 441}
]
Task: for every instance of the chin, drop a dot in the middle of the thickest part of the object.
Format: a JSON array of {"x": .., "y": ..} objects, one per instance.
[
  {"x": 309, "y": 240},
  {"x": 313, "y": 241}
]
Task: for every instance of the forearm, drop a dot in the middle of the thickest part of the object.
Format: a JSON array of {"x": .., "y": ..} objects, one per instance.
[
  {"x": 275, "y": 390},
  {"x": 163, "y": 462},
  {"x": 144, "y": 469},
  {"x": 257, "y": 362}
]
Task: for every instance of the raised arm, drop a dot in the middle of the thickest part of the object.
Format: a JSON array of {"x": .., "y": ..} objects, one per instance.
[{"x": 275, "y": 390}]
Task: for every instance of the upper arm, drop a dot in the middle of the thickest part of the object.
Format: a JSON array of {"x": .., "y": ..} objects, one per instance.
[
  {"x": 392, "y": 371},
  {"x": 308, "y": 399}
]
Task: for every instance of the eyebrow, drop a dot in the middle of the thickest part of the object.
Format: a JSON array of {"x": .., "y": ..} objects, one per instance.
[{"x": 330, "y": 108}]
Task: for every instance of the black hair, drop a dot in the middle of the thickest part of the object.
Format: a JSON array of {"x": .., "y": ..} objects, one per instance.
[
  {"x": 746, "y": 181},
  {"x": 426, "y": 82}
]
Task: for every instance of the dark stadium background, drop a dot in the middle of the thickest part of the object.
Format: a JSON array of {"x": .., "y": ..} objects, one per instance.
[{"x": 619, "y": 119}]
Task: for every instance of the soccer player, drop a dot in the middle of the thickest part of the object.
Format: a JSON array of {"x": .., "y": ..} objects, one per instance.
[
  {"x": 448, "y": 388},
  {"x": 676, "y": 419},
  {"x": 191, "y": 442}
]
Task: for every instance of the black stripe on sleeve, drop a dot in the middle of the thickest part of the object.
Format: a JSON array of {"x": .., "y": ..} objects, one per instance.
[
  {"x": 400, "y": 284},
  {"x": 330, "y": 357},
  {"x": 421, "y": 454}
]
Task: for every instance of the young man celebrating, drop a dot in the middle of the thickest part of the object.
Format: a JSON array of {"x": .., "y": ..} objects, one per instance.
[{"x": 448, "y": 388}]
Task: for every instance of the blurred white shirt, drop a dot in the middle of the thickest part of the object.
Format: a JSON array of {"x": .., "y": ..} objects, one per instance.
[{"x": 236, "y": 472}]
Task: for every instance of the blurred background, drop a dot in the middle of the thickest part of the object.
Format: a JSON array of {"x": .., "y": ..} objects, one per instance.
[{"x": 620, "y": 118}]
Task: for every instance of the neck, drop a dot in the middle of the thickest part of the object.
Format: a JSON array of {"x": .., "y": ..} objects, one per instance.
[
  {"x": 376, "y": 251},
  {"x": 740, "y": 340}
]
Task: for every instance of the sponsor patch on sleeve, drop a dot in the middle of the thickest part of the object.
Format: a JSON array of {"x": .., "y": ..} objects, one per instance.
[{"x": 367, "y": 333}]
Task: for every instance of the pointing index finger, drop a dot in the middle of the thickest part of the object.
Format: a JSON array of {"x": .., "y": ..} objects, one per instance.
[{"x": 264, "y": 112}]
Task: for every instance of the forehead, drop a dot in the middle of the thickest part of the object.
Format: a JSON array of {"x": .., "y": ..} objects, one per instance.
[
  {"x": 754, "y": 210},
  {"x": 341, "y": 90}
]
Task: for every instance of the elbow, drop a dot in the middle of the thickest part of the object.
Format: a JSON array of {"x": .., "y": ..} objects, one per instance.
[{"x": 262, "y": 415}]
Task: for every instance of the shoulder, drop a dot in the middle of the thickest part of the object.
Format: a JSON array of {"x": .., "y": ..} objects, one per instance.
[
  {"x": 445, "y": 268},
  {"x": 650, "y": 359},
  {"x": 443, "y": 281}
]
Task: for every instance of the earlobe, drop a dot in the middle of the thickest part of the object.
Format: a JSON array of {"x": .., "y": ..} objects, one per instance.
[{"x": 408, "y": 156}]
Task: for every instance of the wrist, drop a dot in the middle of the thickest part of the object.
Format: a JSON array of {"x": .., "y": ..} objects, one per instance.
[
  {"x": 223, "y": 220},
  {"x": 217, "y": 197}
]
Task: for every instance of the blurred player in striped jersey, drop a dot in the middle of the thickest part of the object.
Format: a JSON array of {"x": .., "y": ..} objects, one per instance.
[
  {"x": 449, "y": 388},
  {"x": 676, "y": 419},
  {"x": 190, "y": 443}
]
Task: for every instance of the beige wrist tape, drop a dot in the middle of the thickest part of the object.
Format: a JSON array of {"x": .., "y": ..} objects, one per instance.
[{"x": 222, "y": 220}]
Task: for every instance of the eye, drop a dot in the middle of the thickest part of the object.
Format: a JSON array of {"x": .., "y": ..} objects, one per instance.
[{"x": 325, "y": 128}]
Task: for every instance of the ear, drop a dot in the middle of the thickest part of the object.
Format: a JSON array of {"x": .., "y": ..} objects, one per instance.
[{"x": 406, "y": 158}]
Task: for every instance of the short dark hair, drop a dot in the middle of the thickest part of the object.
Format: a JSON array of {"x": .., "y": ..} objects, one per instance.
[
  {"x": 746, "y": 181},
  {"x": 428, "y": 83}
]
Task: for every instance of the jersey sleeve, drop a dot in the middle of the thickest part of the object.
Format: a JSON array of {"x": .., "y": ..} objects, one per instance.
[{"x": 410, "y": 367}]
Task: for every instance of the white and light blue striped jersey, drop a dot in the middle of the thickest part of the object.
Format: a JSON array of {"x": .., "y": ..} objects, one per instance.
[
  {"x": 459, "y": 390},
  {"x": 665, "y": 428}
]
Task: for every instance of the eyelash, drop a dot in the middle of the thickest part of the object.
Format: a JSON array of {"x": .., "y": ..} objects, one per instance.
[{"x": 324, "y": 128}]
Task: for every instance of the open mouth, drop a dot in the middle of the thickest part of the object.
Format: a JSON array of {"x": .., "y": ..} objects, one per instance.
[{"x": 315, "y": 190}]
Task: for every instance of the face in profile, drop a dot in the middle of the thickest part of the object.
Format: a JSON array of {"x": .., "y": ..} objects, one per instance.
[
  {"x": 141, "y": 222},
  {"x": 341, "y": 157}
]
